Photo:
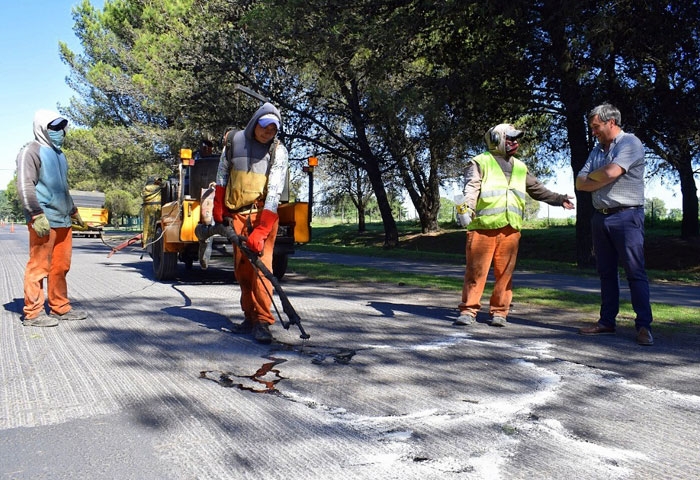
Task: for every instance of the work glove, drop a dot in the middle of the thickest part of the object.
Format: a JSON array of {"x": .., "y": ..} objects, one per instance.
[
  {"x": 256, "y": 239},
  {"x": 219, "y": 204},
  {"x": 77, "y": 220},
  {"x": 464, "y": 215},
  {"x": 41, "y": 226}
]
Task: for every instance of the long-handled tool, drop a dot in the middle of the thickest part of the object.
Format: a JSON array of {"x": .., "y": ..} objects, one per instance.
[{"x": 228, "y": 232}]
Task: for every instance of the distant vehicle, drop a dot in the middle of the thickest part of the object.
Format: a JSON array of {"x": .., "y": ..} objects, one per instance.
[{"x": 91, "y": 207}]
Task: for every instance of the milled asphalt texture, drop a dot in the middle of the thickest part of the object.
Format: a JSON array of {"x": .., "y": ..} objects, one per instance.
[{"x": 153, "y": 384}]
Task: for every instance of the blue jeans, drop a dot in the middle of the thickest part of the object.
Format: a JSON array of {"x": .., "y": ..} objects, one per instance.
[{"x": 620, "y": 237}]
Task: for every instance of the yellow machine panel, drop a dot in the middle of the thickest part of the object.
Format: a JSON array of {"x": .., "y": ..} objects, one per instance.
[
  {"x": 190, "y": 218},
  {"x": 94, "y": 217},
  {"x": 296, "y": 213}
]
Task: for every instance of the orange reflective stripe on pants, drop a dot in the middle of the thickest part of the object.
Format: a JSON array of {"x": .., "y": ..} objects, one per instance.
[
  {"x": 50, "y": 258},
  {"x": 256, "y": 290},
  {"x": 484, "y": 248}
]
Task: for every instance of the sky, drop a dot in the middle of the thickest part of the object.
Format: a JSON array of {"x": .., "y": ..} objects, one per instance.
[{"x": 34, "y": 78}]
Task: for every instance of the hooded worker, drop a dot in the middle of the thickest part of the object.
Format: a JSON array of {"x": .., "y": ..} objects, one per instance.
[
  {"x": 42, "y": 188},
  {"x": 497, "y": 184},
  {"x": 249, "y": 182}
]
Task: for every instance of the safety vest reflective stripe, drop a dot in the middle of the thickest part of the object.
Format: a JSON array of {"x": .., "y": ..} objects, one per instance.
[
  {"x": 501, "y": 192},
  {"x": 499, "y": 210}
]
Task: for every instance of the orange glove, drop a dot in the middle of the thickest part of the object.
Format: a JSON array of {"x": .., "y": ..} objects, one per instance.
[
  {"x": 218, "y": 209},
  {"x": 256, "y": 239}
]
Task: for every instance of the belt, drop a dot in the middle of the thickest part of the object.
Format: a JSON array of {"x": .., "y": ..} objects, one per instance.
[
  {"x": 610, "y": 211},
  {"x": 253, "y": 207}
]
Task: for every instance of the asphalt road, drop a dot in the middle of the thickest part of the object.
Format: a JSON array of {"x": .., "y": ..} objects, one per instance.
[{"x": 152, "y": 385}]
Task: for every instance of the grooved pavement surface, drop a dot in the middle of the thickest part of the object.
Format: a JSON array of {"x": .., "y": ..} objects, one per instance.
[{"x": 153, "y": 386}]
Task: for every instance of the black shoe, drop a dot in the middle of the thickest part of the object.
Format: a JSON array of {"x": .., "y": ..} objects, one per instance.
[
  {"x": 243, "y": 328},
  {"x": 261, "y": 333}
]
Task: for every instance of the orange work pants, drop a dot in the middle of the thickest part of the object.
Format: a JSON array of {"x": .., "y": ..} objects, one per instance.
[
  {"x": 485, "y": 247},
  {"x": 49, "y": 257},
  {"x": 256, "y": 290}
]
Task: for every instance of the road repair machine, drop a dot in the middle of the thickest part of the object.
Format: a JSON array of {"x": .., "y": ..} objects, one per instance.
[
  {"x": 172, "y": 210},
  {"x": 175, "y": 207}
]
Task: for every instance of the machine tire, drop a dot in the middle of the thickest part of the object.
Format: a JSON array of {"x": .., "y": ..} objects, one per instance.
[
  {"x": 164, "y": 263},
  {"x": 279, "y": 265}
]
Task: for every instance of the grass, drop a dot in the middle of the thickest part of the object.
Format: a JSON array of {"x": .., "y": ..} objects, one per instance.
[
  {"x": 542, "y": 249},
  {"x": 559, "y": 299}
]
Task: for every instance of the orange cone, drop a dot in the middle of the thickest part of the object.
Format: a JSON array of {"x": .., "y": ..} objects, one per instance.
[{"x": 12, "y": 227}]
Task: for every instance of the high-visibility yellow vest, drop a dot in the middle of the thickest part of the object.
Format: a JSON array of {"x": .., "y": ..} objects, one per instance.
[{"x": 501, "y": 202}]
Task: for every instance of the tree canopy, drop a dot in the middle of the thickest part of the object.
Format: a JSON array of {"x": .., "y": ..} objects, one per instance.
[{"x": 400, "y": 90}]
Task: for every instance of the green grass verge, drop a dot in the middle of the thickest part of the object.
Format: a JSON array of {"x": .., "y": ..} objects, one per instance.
[
  {"x": 542, "y": 248},
  {"x": 587, "y": 304}
]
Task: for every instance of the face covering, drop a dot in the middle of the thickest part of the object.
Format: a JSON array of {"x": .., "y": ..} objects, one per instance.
[{"x": 57, "y": 137}]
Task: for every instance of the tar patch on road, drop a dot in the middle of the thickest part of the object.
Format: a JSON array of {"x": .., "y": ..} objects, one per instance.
[{"x": 265, "y": 379}]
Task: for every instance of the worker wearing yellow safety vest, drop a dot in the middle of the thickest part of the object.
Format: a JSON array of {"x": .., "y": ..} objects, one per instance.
[{"x": 492, "y": 208}]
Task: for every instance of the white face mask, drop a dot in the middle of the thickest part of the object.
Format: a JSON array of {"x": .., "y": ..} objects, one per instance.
[{"x": 57, "y": 137}]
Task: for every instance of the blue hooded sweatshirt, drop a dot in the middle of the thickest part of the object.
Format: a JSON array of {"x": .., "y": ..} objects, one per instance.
[{"x": 42, "y": 175}]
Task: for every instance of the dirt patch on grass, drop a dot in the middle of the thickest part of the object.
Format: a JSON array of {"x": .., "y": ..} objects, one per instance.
[
  {"x": 559, "y": 245},
  {"x": 672, "y": 253}
]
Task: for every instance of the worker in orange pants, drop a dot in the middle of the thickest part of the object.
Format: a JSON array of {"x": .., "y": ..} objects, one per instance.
[{"x": 492, "y": 208}]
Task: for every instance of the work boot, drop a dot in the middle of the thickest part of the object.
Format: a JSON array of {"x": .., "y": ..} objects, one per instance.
[
  {"x": 261, "y": 333},
  {"x": 41, "y": 320},
  {"x": 464, "y": 318},
  {"x": 498, "y": 321},
  {"x": 71, "y": 314},
  {"x": 204, "y": 253},
  {"x": 243, "y": 328},
  {"x": 203, "y": 232}
]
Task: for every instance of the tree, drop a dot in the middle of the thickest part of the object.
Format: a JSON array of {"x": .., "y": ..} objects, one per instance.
[
  {"x": 584, "y": 53},
  {"x": 5, "y": 206},
  {"x": 344, "y": 181},
  {"x": 400, "y": 89},
  {"x": 654, "y": 208},
  {"x": 121, "y": 203},
  {"x": 16, "y": 212},
  {"x": 657, "y": 81},
  {"x": 675, "y": 214},
  {"x": 378, "y": 85}
]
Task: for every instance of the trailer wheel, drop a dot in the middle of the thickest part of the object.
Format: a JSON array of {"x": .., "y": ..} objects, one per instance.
[
  {"x": 164, "y": 263},
  {"x": 279, "y": 265}
]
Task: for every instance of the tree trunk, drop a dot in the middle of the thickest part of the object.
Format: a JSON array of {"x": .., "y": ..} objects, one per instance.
[
  {"x": 361, "y": 225},
  {"x": 689, "y": 225},
  {"x": 428, "y": 223},
  {"x": 572, "y": 98},
  {"x": 391, "y": 232}
]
